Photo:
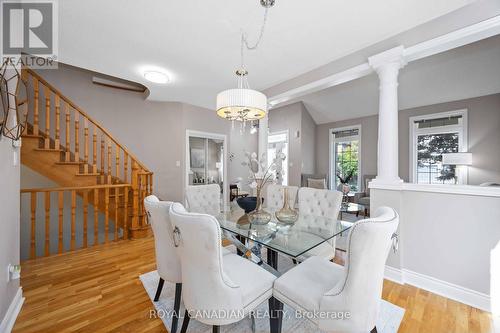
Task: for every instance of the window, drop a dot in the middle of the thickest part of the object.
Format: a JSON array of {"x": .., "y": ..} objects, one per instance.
[
  {"x": 278, "y": 142},
  {"x": 431, "y": 136},
  {"x": 345, "y": 161}
]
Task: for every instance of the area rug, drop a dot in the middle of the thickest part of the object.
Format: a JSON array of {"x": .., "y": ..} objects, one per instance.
[{"x": 390, "y": 315}]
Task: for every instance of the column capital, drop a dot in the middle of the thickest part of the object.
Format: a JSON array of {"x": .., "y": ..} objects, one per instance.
[{"x": 391, "y": 58}]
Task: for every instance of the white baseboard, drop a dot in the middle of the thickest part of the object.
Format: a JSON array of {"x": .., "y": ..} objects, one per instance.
[
  {"x": 394, "y": 274},
  {"x": 449, "y": 290},
  {"x": 12, "y": 312}
]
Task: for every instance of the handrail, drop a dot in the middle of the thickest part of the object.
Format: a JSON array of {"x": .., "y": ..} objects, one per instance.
[
  {"x": 76, "y": 188},
  {"x": 77, "y": 108}
]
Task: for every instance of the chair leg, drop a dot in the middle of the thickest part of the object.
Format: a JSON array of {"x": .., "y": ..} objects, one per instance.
[
  {"x": 215, "y": 329},
  {"x": 252, "y": 317},
  {"x": 276, "y": 315},
  {"x": 185, "y": 322},
  {"x": 177, "y": 305},
  {"x": 374, "y": 330},
  {"x": 158, "y": 290}
]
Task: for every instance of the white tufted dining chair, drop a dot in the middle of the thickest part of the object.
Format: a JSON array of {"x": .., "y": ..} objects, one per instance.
[
  {"x": 167, "y": 261},
  {"x": 228, "y": 286},
  {"x": 321, "y": 203},
  {"x": 320, "y": 286},
  {"x": 204, "y": 199},
  {"x": 274, "y": 198}
]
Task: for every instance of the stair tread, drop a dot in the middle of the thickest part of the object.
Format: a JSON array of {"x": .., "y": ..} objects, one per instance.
[
  {"x": 49, "y": 149},
  {"x": 70, "y": 163},
  {"x": 32, "y": 136},
  {"x": 88, "y": 174}
]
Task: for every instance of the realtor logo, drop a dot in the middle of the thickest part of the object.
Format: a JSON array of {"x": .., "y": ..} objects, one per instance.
[{"x": 29, "y": 29}]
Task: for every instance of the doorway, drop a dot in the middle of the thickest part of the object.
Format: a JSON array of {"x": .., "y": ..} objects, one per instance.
[{"x": 206, "y": 161}]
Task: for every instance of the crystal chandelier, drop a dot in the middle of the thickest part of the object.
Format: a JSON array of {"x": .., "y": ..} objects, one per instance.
[{"x": 242, "y": 103}]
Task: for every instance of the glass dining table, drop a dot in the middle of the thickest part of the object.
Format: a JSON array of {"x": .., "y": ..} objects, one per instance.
[{"x": 293, "y": 241}]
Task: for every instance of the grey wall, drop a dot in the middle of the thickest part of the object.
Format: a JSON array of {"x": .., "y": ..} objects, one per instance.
[
  {"x": 238, "y": 144},
  {"x": 484, "y": 138},
  {"x": 308, "y": 142},
  {"x": 295, "y": 118},
  {"x": 154, "y": 131},
  {"x": 9, "y": 220},
  {"x": 445, "y": 236}
]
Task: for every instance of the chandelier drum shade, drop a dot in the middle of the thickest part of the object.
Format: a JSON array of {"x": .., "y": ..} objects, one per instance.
[
  {"x": 244, "y": 104},
  {"x": 241, "y": 104}
]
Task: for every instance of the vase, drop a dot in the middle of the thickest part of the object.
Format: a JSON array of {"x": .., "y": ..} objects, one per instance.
[
  {"x": 259, "y": 216},
  {"x": 287, "y": 215},
  {"x": 248, "y": 204}
]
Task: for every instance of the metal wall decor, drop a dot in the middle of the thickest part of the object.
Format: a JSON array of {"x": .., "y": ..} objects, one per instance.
[{"x": 14, "y": 96}]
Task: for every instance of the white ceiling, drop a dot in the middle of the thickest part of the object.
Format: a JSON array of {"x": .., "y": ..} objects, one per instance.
[
  {"x": 469, "y": 71},
  {"x": 197, "y": 41}
]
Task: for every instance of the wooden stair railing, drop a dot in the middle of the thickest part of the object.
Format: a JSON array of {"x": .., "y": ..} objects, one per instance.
[
  {"x": 62, "y": 126},
  {"x": 112, "y": 193}
]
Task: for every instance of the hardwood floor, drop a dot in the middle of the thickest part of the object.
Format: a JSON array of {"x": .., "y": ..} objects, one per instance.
[{"x": 98, "y": 290}]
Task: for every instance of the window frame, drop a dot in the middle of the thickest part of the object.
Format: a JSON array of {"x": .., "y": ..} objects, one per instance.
[
  {"x": 461, "y": 129},
  {"x": 332, "y": 165}
]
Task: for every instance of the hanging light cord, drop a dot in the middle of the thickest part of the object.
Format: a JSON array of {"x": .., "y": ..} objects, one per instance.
[{"x": 245, "y": 44}]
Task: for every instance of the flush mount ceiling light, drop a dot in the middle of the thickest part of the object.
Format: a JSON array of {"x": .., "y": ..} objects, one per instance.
[
  {"x": 242, "y": 103},
  {"x": 156, "y": 77}
]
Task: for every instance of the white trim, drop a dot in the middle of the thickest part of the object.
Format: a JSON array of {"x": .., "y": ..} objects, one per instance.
[
  {"x": 449, "y": 41},
  {"x": 321, "y": 84},
  {"x": 454, "y": 39},
  {"x": 393, "y": 274},
  {"x": 462, "y": 128},
  {"x": 485, "y": 191},
  {"x": 439, "y": 287},
  {"x": 207, "y": 135},
  {"x": 10, "y": 317},
  {"x": 448, "y": 290},
  {"x": 331, "y": 174},
  {"x": 287, "y": 163}
]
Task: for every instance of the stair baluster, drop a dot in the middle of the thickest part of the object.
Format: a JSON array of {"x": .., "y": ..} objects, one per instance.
[
  {"x": 67, "y": 155},
  {"x": 33, "y": 225},
  {"x": 58, "y": 122},
  {"x": 47, "y": 223},
  {"x": 36, "y": 97},
  {"x": 77, "y": 137},
  {"x": 94, "y": 152},
  {"x": 47, "y": 118},
  {"x": 86, "y": 146},
  {"x": 60, "y": 245}
]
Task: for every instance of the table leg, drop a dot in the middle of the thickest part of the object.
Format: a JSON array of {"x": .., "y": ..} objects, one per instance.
[
  {"x": 243, "y": 241},
  {"x": 249, "y": 254},
  {"x": 275, "y": 315},
  {"x": 272, "y": 258}
]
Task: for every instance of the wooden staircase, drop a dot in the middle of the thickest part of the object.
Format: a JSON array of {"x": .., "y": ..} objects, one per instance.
[{"x": 64, "y": 144}]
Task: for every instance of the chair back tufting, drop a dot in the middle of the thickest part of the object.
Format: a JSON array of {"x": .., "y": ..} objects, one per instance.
[{"x": 204, "y": 199}]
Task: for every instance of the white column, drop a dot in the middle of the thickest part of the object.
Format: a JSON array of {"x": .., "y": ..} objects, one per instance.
[{"x": 387, "y": 65}]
